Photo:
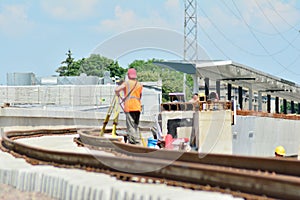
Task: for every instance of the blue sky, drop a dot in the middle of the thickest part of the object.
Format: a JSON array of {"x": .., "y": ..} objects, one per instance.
[{"x": 36, "y": 34}]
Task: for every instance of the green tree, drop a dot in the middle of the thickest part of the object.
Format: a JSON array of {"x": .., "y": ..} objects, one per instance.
[
  {"x": 289, "y": 107},
  {"x": 146, "y": 70},
  {"x": 68, "y": 67},
  {"x": 95, "y": 65},
  {"x": 115, "y": 70}
]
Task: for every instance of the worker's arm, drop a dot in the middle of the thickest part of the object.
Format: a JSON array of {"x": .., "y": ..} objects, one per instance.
[{"x": 119, "y": 89}]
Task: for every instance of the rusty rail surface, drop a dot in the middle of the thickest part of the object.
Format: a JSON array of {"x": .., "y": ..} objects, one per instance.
[
  {"x": 276, "y": 178},
  {"x": 272, "y": 164}
]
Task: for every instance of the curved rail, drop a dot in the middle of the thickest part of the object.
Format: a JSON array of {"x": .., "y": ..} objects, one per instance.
[
  {"x": 276, "y": 165},
  {"x": 272, "y": 184}
]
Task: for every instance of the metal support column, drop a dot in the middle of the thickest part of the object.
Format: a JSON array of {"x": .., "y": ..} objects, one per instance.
[
  {"x": 250, "y": 98},
  {"x": 218, "y": 88},
  {"x": 190, "y": 51},
  {"x": 240, "y": 97},
  {"x": 269, "y": 103},
  {"x": 292, "y": 107},
  {"x": 284, "y": 106},
  {"x": 259, "y": 101},
  {"x": 190, "y": 31},
  {"x": 277, "y": 105},
  {"x": 196, "y": 84},
  {"x": 229, "y": 88},
  {"x": 184, "y": 86},
  {"x": 206, "y": 82}
]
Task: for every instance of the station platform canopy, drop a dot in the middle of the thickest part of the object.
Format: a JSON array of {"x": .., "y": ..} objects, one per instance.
[{"x": 238, "y": 74}]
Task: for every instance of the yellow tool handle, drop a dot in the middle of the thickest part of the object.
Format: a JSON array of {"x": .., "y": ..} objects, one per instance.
[
  {"x": 143, "y": 141},
  {"x": 104, "y": 124},
  {"x": 116, "y": 117},
  {"x": 109, "y": 112}
]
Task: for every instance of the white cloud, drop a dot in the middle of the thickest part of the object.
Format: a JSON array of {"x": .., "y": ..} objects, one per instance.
[
  {"x": 172, "y": 5},
  {"x": 260, "y": 15},
  {"x": 128, "y": 19},
  {"x": 70, "y": 9},
  {"x": 14, "y": 20},
  {"x": 268, "y": 13},
  {"x": 225, "y": 18}
]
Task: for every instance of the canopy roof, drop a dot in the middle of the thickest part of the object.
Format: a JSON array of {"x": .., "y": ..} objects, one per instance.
[{"x": 240, "y": 75}]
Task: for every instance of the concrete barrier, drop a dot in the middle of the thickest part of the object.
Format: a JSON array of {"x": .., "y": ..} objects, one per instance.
[
  {"x": 259, "y": 136},
  {"x": 11, "y": 116},
  {"x": 212, "y": 129}
]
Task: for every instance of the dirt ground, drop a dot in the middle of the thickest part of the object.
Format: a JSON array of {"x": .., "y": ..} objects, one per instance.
[{"x": 8, "y": 192}]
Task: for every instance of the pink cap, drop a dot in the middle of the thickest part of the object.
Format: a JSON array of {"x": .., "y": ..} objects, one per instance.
[{"x": 131, "y": 73}]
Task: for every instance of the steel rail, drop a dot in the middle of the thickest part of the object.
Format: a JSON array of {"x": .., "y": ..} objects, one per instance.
[
  {"x": 249, "y": 181},
  {"x": 272, "y": 164}
]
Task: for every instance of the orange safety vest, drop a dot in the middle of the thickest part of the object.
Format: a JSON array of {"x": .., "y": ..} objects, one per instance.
[{"x": 133, "y": 100}]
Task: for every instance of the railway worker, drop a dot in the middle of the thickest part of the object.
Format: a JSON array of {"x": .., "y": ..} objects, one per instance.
[
  {"x": 195, "y": 98},
  {"x": 132, "y": 90},
  {"x": 213, "y": 96},
  {"x": 279, "y": 151}
]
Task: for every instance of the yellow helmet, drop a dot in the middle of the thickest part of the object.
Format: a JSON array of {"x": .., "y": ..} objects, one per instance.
[
  {"x": 202, "y": 97},
  {"x": 280, "y": 150}
]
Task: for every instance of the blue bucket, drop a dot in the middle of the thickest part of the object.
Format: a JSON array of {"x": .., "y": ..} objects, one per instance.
[{"x": 152, "y": 142}]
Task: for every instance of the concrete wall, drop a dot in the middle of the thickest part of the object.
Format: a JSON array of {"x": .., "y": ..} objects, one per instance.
[
  {"x": 73, "y": 95},
  {"x": 212, "y": 128},
  {"x": 43, "y": 117},
  {"x": 215, "y": 134},
  {"x": 259, "y": 136},
  {"x": 57, "y": 95}
]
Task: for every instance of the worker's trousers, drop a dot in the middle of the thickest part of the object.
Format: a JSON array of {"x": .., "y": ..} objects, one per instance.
[{"x": 132, "y": 123}]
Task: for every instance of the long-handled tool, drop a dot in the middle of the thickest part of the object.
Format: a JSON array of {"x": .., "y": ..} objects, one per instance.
[
  {"x": 115, "y": 107},
  {"x": 142, "y": 139},
  {"x": 116, "y": 117},
  {"x": 111, "y": 108}
]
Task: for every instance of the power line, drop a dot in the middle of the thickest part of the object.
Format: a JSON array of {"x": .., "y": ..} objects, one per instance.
[
  {"x": 260, "y": 43},
  {"x": 256, "y": 30},
  {"x": 292, "y": 63},
  {"x": 268, "y": 54},
  {"x": 253, "y": 28},
  {"x": 275, "y": 28},
  {"x": 242, "y": 49},
  {"x": 283, "y": 19},
  {"x": 207, "y": 35},
  {"x": 229, "y": 40}
]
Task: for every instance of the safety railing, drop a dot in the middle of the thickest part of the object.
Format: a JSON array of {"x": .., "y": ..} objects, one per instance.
[
  {"x": 266, "y": 114},
  {"x": 199, "y": 106}
]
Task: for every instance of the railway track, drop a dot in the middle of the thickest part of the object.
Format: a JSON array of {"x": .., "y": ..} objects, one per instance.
[{"x": 241, "y": 175}]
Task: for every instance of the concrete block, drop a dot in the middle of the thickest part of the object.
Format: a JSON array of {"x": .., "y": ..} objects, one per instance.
[
  {"x": 184, "y": 132},
  {"x": 215, "y": 133}
]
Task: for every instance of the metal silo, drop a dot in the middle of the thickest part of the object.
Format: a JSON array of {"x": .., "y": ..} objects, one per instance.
[{"x": 18, "y": 78}]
